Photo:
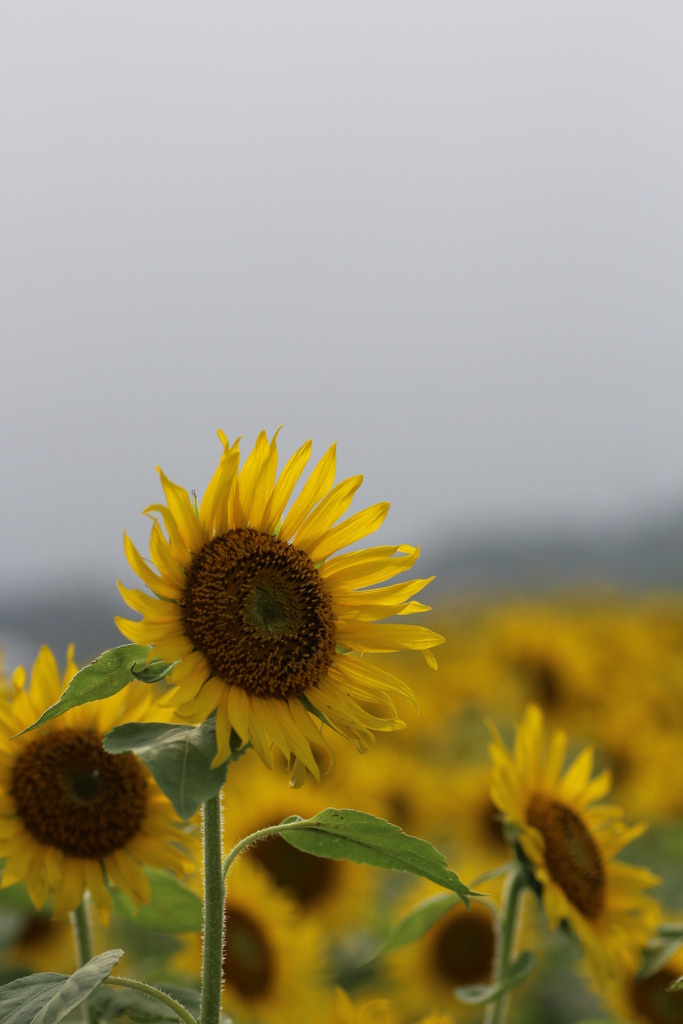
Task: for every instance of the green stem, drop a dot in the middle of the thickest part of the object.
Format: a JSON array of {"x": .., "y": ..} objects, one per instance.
[
  {"x": 155, "y": 993},
  {"x": 263, "y": 833},
  {"x": 214, "y": 913},
  {"x": 80, "y": 921},
  {"x": 516, "y": 885}
]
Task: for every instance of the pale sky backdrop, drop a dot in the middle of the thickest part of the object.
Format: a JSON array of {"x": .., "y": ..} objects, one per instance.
[{"x": 447, "y": 235}]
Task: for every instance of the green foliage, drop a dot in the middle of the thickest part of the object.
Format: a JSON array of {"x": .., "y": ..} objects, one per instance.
[
  {"x": 476, "y": 995},
  {"x": 360, "y": 837},
  {"x": 172, "y": 908},
  {"x": 102, "y": 678},
  {"x": 49, "y": 998},
  {"x": 660, "y": 950},
  {"x": 154, "y": 671},
  {"x": 676, "y": 986},
  {"x": 179, "y": 757},
  {"x": 414, "y": 925}
]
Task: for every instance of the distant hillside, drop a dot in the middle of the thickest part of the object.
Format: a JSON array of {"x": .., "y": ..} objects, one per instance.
[
  {"x": 644, "y": 556},
  {"x": 641, "y": 557}
]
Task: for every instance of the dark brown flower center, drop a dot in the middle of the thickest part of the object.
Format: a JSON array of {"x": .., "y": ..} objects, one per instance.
[
  {"x": 306, "y": 877},
  {"x": 464, "y": 946},
  {"x": 257, "y": 610},
  {"x": 247, "y": 957},
  {"x": 572, "y": 857},
  {"x": 652, "y": 1001},
  {"x": 72, "y": 794},
  {"x": 544, "y": 678}
]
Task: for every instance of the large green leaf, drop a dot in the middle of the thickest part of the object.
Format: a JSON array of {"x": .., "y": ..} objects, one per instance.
[
  {"x": 178, "y": 756},
  {"x": 476, "y": 995},
  {"x": 172, "y": 907},
  {"x": 114, "y": 1003},
  {"x": 414, "y": 925},
  {"x": 103, "y": 677},
  {"x": 353, "y": 835},
  {"x": 49, "y": 998}
]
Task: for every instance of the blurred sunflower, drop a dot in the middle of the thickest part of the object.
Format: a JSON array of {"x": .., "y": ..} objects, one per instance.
[
  {"x": 458, "y": 950},
  {"x": 375, "y": 1011},
  {"x": 645, "y": 1000},
  {"x": 337, "y": 892},
  {"x": 273, "y": 957},
  {"x": 474, "y": 820},
  {"x": 41, "y": 944},
  {"x": 262, "y": 618},
  {"x": 571, "y": 841},
  {"x": 72, "y": 815}
]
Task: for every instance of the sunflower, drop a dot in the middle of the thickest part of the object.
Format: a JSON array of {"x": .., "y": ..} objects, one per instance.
[
  {"x": 265, "y": 620},
  {"x": 571, "y": 841},
  {"x": 459, "y": 950},
  {"x": 645, "y": 1000},
  {"x": 273, "y": 956},
  {"x": 40, "y": 944},
  {"x": 375, "y": 1011},
  {"x": 71, "y": 815},
  {"x": 335, "y": 892}
]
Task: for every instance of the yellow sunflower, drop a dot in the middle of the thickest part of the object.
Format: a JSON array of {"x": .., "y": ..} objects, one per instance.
[
  {"x": 263, "y": 616},
  {"x": 273, "y": 957},
  {"x": 336, "y": 892},
  {"x": 645, "y": 1000},
  {"x": 571, "y": 840},
  {"x": 41, "y": 944},
  {"x": 459, "y": 950},
  {"x": 375, "y": 1011},
  {"x": 71, "y": 815}
]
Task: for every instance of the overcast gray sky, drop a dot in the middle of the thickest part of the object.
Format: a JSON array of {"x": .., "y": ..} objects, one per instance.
[{"x": 447, "y": 235}]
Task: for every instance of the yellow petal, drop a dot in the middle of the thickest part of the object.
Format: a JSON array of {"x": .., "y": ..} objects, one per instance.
[
  {"x": 127, "y": 874},
  {"x": 94, "y": 881},
  {"x": 327, "y": 512},
  {"x": 348, "y": 532},
  {"x": 45, "y": 682},
  {"x": 183, "y": 514},
  {"x": 264, "y": 486},
  {"x": 317, "y": 485},
  {"x": 70, "y": 892},
  {"x": 284, "y": 487},
  {"x": 152, "y": 608},
  {"x": 248, "y": 479},
  {"x": 385, "y": 637},
  {"x": 139, "y": 566},
  {"x": 368, "y": 566}
]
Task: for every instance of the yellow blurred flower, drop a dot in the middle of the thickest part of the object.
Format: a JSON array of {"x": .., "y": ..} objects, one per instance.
[
  {"x": 645, "y": 1000},
  {"x": 273, "y": 956}
]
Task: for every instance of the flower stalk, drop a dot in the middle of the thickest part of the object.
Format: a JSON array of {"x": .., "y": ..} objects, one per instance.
[
  {"x": 214, "y": 912},
  {"x": 82, "y": 931},
  {"x": 515, "y": 886}
]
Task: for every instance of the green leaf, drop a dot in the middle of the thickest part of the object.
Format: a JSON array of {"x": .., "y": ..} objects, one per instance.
[
  {"x": 660, "y": 950},
  {"x": 676, "y": 986},
  {"x": 172, "y": 907},
  {"x": 154, "y": 672},
  {"x": 414, "y": 925},
  {"x": 178, "y": 756},
  {"x": 49, "y": 998},
  {"x": 126, "y": 1004},
  {"x": 476, "y": 995},
  {"x": 353, "y": 835},
  {"x": 102, "y": 678}
]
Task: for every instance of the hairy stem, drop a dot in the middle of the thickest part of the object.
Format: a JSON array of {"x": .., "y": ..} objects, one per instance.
[
  {"x": 155, "y": 993},
  {"x": 263, "y": 833},
  {"x": 515, "y": 886},
  {"x": 214, "y": 912}
]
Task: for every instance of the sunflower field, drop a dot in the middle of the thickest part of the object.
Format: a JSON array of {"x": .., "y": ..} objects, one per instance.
[{"x": 284, "y": 801}]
